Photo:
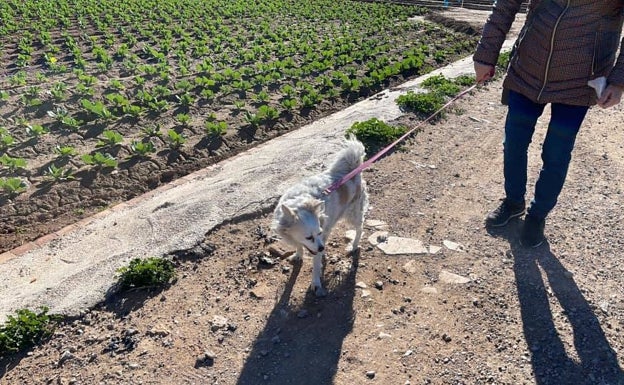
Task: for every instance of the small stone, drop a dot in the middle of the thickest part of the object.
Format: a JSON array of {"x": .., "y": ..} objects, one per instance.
[
  {"x": 446, "y": 338},
  {"x": 303, "y": 313},
  {"x": 378, "y": 237},
  {"x": 434, "y": 249},
  {"x": 209, "y": 355},
  {"x": 410, "y": 267},
  {"x": 158, "y": 332},
  {"x": 366, "y": 293},
  {"x": 376, "y": 224},
  {"x": 448, "y": 277},
  {"x": 361, "y": 285},
  {"x": 453, "y": 245},
  {"x": 370, "y": 374},
  {"x": 65, "y": 356},
  {"x": 218, "y": 322},
  {"x": 379, "y": 285},
  {"x": 429, "y": 290},
  {"x": 384, "y": 336},
  {"x": 259, "y": 291},
  {"x": 400, "y": 245}
]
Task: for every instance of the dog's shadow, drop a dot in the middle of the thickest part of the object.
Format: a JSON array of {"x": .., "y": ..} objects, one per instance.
[
  {"x": 303, "y": 344},
  {"x": 595, "y": 361}
]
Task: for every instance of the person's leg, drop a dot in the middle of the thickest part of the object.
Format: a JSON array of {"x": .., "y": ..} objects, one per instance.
[
  {"x": 564, "y": 125},
  {"x": 522, "y": 116}
]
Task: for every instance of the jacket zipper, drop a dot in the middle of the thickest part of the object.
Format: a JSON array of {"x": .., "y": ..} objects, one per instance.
[{"x": 550, "y": 52}]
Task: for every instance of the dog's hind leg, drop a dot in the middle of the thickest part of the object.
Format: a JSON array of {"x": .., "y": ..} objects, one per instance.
[
  {"x": 356, "y": 218},
  {"x": 317, "y": 268}
]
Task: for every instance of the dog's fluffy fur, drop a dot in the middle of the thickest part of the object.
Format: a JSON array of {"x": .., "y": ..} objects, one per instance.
[{"x": 304, "y": 216}]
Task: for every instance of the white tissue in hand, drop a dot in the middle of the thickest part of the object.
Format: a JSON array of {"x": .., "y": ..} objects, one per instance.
[{"x": 598, "y": 84}]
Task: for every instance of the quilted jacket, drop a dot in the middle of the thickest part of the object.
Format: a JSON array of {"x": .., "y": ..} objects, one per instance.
[{"x": 563, "y": 44}]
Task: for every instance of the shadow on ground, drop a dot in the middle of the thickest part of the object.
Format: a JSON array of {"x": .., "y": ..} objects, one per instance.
[
  {"x": 540, "y": 276},
  {"x": 302, "y": 344}
]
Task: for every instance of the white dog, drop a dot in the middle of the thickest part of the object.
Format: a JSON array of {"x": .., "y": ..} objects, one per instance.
[{"x": 305, "y": 215}]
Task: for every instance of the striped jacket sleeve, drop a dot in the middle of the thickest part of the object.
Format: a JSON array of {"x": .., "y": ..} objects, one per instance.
[{"x": 495, "y": 31}]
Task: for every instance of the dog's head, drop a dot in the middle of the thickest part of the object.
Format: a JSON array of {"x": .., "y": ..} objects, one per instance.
[{"x": 301, "y": 225}]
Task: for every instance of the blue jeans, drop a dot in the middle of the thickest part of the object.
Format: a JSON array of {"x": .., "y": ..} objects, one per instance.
[{"x": 565, "y": 123}]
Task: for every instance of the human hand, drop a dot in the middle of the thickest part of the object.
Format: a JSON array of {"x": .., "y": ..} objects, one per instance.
[
  {"x": 483, "y": 72},
  {"x": 610, "y": 96}
]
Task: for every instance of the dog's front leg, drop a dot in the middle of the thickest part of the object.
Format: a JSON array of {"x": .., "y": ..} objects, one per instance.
[
  {"x": 297, "y": 257},
  {"x": 317, "y": 267}
]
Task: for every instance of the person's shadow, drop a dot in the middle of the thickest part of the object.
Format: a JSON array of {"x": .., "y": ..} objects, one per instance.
[
  {"x": 595, "y": 361},
  {"x": 302, "y": 345}
]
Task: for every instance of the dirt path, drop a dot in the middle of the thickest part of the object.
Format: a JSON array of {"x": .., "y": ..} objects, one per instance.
[{"x": 554, "y": 315}]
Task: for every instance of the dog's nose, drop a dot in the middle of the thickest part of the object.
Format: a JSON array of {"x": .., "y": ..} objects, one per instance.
[{"x": 321, "y": 248}]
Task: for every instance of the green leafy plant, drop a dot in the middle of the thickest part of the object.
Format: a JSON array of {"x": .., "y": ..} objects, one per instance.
[
  {"x": 152, "y": 131},
  {"x": 267, "y": 113},
  {"x": 12, "y": 163},
  {"x": 57, "y": 174},
  {"x": 98, "y": 108},
  {"x": 36, "y": 130},
  {"x": 149, "y": 272},
  {"x": 375, "y": 134},
  {"x": 142, "y": 149},
  {"x": 25, "y": 329},
  {"x": 100, "y": 159},
  {"x": 289, "y": 103},
  {"x": 464, "y": 80},
  {"x": 109, "y": 138},
  {"x": 183, "y": 118},
  {"x": 175, "y": 139},
  {"x": 253, "y": 119},
  {"x": 503, "y": 60},
  {"x": 6, "y": 139},
  {"x": 423, "y": 104},
  {"x": 65, "y": 151},
  {"x": 216, "y": 128},
  {"x": 12, "y": 186},
  {"x": 441, "y": 84}
]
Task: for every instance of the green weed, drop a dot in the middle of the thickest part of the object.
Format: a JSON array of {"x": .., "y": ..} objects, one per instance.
[
  {"x": 375, "y": 134},
  {"x": 25, "y": 329},
  {"x": 147, "y": 272}
]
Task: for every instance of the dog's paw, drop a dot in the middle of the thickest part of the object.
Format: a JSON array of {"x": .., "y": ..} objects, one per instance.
[
  {"x": 350, "y": 249},
  {"x": 318, "y": 290}
]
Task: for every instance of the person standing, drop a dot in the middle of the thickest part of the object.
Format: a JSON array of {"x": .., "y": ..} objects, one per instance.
[{"x": 562, "y": 45}]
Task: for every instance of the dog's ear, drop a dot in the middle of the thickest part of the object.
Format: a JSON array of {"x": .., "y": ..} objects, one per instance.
[
  {"x": 289, "y": 214},
  {"x": 319, "y": 207}
]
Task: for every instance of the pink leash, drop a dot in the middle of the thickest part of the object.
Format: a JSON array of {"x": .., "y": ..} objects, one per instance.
[{"x": 333, "y": 187}]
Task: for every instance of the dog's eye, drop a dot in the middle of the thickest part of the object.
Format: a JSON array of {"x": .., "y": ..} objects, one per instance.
[{"x": 310, "y": 238}]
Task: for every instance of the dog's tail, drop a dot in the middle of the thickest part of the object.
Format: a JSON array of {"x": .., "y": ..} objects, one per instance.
[{"x": 349, "y": 158}]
